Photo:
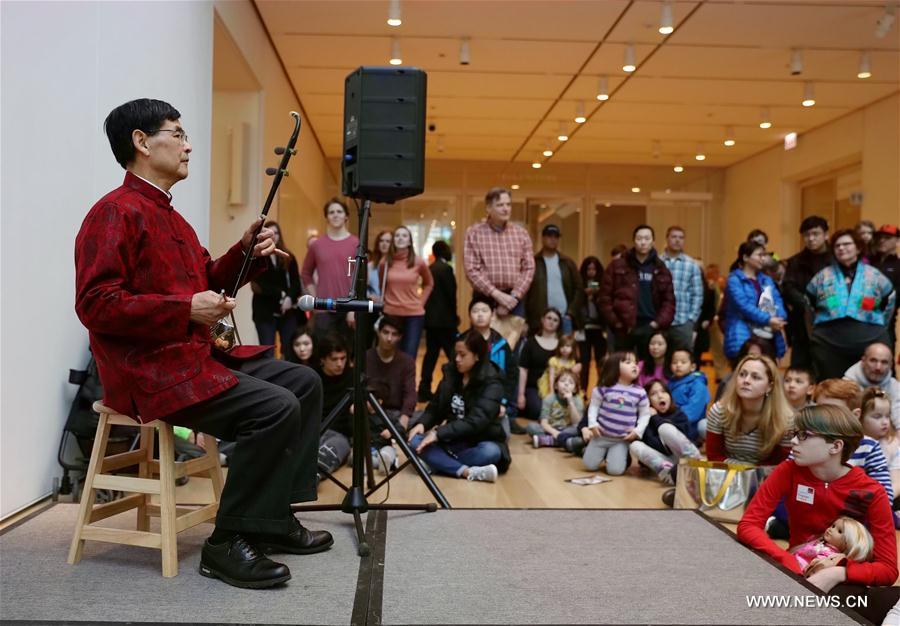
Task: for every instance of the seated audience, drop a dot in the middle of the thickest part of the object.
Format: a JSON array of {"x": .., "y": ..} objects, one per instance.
[
  {"x": 868, "y": 454},
  {"x": 391, "y": 377},
  {"x": 852, "y": 303},
  {"x": 303, "y": 348},
  {"x": 819, "y": 486},
  {"x": 565, "y": 358},
  {"x": 654, "y": 363},
  {"x": 690, "y": 392},
  {"x": 560, "y": 414},
  {"x": 799, "y": 384},
  {"x": 481, "y": 315},
  {"x": 618, "y": 414},
  {"x": 460, "y": 434},
  {"x": 874, "y": 370},
  {"x": 337, "y": 380},
  {"x": 666, "y": 440},
  {"x": 750, "y": 423},
  {"x": 753, "y": 304},
  {"x": 533, "y": 361}
]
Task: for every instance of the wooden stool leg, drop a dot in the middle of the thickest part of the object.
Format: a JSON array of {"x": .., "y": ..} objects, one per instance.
[
  {"x": 98, "y": 452},
  {"x": 215, "y": 473},
  {"x": 167, "y": 510},
  {"x": 145, "y": 471}
]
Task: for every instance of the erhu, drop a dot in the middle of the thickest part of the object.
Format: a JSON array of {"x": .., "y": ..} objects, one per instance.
[{"x": 224, "y": 334}]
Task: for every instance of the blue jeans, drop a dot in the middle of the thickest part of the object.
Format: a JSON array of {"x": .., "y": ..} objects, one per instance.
[
  {"x": 452, "y": 458},
  {"x": 567, "y": 327},
  {"x": 412, "y": 333}
]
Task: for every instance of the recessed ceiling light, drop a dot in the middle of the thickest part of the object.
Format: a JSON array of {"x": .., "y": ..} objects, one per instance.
[
  {"x": 729, "y": 136},
  {"x": 548, "y": 152},
  {"x": 465, "y": 54},
  {"x": 603, "y": 89},
  {"x": 579, "y": 113},
  {"x": 809, "y": 96},
  {"x": 395, "y": 52},
  {"x": 700, "y": 156},
  {"x": 765, "y": 118},
  {"x": 796, "y": 62},
  {"x": 536, "y": 165},
  {"x": 514, "y": 186},
  {"x": 678, "y": 169},
  {"x": 635, "y": 190},
  {"x": 629, "y": 64},
  {"x": 563, "y": 134},
  {"x": 865, "y": 65},
  {"x": 666, "y": 22},
  {"x": 394, "y": 18}
]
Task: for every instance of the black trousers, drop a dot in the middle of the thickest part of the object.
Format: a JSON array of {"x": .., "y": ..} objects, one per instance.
[
  {"x": 436, "y": 339},
  {"x": 273, "y": 416},
  {"x": 594, "y": 341}
]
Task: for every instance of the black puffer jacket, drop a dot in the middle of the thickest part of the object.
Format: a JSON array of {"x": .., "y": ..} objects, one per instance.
[{"x": 477, "y": 418}]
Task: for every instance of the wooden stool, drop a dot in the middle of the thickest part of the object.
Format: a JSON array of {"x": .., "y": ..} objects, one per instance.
[{"x": 172, "y": 519}]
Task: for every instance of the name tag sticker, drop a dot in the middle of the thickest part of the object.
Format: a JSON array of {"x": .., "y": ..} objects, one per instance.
[{"x": 805, "y": 494}]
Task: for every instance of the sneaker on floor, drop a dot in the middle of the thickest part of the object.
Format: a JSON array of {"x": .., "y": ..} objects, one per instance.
[
  {"x": 487, "y": 473},
  {"x": 665, "y": 475},
  {"x": 544, "y": 441},
  {"x": 384, "y": 459}
]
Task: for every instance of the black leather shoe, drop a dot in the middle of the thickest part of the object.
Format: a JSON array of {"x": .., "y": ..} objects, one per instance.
[
  {"x": 240, "y": 564},
  {"x": 668, "y": 497},
  {"x": 301, "y": 540}
]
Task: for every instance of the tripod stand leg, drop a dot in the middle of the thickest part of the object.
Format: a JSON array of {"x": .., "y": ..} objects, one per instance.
[
  {"x": 362, "y": 546},
  {"x": 412, "y": 456}
]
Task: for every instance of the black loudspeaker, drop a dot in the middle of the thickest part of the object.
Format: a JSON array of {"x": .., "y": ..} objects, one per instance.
[{"x": 384, "y": 133}]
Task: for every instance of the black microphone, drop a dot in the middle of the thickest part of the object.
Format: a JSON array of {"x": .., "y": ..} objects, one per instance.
[{"x": 308, "y": 303}]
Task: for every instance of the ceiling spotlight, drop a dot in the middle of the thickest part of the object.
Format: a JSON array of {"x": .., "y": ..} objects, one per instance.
[
  {"x": 603, "y": 89},
  {"x": 678, "y": 169},
  {"x": 809, "y": 97},
  {"x": 865, "y": 65},
  {"x": 765, "y": 118},
  {"x": 440, "y": 143},
  {"x": 465, "y": 56},
  {"x": 579, "y": 113},
  {"x": 729, "y": 136},
  {"x": 395, "y": 52},
  {"x": 536, "y": 165},
  {"x": 665, "y": 20},
  {"x": 548, "y": 152},
  {"x": 700, "y": 156},
  {"x": 514, "y": 187},
  {"x": 635, "y": 190},
  {"x": 563, "y": 134},
  {"x": 394, "y": 13},
  {"x": 656, "y": 150},
  {"x": 883, "y": 26},
  {"x": 796, "y": 62},
  {"x": 628, "y": 64}
]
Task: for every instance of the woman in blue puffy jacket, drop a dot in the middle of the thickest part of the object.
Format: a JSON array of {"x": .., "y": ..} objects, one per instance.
[{"x": 754, "y": 306}]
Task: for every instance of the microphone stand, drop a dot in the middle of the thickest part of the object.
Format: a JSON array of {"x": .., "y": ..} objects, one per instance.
[{"x": 355, "y": 502}]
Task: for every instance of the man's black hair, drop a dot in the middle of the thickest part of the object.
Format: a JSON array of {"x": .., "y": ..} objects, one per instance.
[
  {"x": 143, "y": 114},
  {"x": 813, "y": 221}
]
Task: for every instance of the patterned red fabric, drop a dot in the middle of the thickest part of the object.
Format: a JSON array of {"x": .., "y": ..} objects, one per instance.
[
  {"x": 137, "y": 264},
  {"x": 501, "y": 259}
]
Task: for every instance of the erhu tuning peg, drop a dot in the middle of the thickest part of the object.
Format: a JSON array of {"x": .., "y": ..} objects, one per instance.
[
  {"x": 271, "y": 171},
  {"x": 279, "y": 149}
]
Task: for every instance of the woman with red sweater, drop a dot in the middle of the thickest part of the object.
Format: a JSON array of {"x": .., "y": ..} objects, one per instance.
[
  {"x": 819, "y": 486},
  {"x": 750, "y": 423},
  {"x": 401, "y": 292}
]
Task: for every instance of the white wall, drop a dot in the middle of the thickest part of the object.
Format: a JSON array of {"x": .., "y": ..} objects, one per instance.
[{"x": 64, "y": 67}]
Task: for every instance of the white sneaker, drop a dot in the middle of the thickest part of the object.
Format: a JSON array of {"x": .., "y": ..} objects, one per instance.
[
  {"x": 487, "y": 473},
  {"x": 384, "y": 459}
]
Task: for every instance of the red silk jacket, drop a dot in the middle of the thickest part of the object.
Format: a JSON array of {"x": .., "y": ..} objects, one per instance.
[{"x": 137, "y": 264}]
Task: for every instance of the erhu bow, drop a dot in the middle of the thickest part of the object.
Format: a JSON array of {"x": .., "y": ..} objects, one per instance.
[{"x": 224, "y": 334}]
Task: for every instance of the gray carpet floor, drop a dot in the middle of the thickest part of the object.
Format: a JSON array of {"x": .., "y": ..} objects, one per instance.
[
  {"x": 123, "y": 583},
  {"x": 450, "y": 567},
  {"x": 578, "y": 567}
]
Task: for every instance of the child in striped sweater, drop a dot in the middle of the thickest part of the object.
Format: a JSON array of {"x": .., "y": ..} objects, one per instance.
[{"x": 618, "y": 414}]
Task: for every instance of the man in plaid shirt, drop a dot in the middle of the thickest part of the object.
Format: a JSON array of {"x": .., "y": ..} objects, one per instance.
[
  {"x": 687, "y": 279},
  {"x": 499, "y": 256}
]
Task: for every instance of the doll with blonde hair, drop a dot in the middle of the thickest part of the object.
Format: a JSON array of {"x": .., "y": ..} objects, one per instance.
[{"x": 844, "y": 539}]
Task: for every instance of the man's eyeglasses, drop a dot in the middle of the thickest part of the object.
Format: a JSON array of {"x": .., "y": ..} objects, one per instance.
[
  {"x": 177, "y": 133},
  {"x": 803, "y": 435}
]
